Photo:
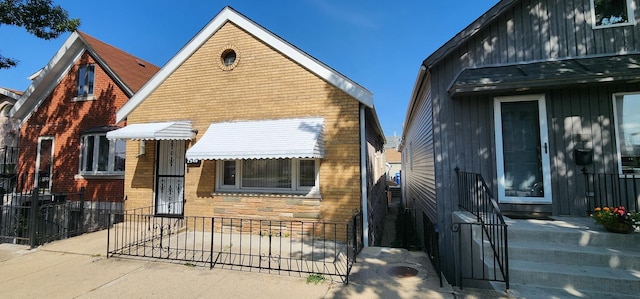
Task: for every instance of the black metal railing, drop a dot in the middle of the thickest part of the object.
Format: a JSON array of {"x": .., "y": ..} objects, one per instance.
[
  {"x": 431, "y": 244},
  {"x": 476, "y": 198},
  {"x": 8, "y": 184},
  {"x": 612, "y": 190},
  {"x": 239, "y": 243},
  {"x": 39, "y": 217}
]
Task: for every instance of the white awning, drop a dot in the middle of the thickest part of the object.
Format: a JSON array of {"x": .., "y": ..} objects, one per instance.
[
  {"x": 265, "y": 139},
  {"x": 173, "y": 130}
]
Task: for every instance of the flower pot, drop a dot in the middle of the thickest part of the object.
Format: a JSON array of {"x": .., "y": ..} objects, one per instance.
[{"x": 620, "y": 228}]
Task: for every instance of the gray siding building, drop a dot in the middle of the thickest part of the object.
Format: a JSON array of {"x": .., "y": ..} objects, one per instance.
[{"x": 518, "y": 97}]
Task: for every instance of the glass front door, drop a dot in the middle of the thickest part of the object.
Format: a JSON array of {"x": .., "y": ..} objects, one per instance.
[{"x": 522, "y": 150}]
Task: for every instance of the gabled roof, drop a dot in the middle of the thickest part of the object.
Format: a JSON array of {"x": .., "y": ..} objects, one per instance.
[
  {"x": 126, "y": 70},
  {"x": 132, "y": 71},
  {"x": 10, "y": 93},
  {"x": 468, "y": 32},
  {"x": 228, "y": 14}
]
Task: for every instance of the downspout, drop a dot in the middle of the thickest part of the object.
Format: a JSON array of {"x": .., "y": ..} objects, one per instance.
[{"x": 363, "y": 179}]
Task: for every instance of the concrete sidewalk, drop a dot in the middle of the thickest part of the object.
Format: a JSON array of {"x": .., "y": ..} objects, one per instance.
[{"x": 77, "y": 268}]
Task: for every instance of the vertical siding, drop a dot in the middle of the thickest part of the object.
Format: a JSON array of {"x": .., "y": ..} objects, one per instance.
[
  {"x": 581, "y": 118},
  {"x": 531, "y": 30},
  {"x": 546, "y": 29},
  {"x": 450, "y": 132}
]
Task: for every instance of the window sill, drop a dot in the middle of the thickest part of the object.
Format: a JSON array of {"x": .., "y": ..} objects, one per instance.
[
  {"x": 84, "y": 99},
  {"x": 99, "y": 176},
  {"x": 265, "y": 194},
  {"x": 613, "y": 25}
]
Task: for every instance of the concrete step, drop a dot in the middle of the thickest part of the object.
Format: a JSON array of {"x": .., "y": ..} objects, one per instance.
[
  {"x": 579, "y": 278},
  {"x": 395, "y": 191},
  {"x": 529, "y": 291},
  {"x": 572, "y": 236},
  {"x": 597, "y": 256}
]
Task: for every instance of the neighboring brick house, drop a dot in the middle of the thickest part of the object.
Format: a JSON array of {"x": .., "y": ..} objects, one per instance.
[
  {"x": 8, "y": 138},
  {"x": 65, "y": 113},
  {"x": 237, "y": 100}
]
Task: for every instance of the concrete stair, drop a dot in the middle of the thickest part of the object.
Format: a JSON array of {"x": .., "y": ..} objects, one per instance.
[{"x": 572, "y": 258}]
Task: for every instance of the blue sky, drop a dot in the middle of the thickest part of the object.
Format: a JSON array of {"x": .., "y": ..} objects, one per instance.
[{"x": 376, "y": 44}]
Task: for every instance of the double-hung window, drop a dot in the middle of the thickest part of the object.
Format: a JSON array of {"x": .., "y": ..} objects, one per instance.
[
  {"x": 86, "y": 77},
  {"x": 608, "y": 13},
  {"x": 627, "y": 128},
  {"x": 101, "y": 156},
  {"x": 298, "y": 176}
]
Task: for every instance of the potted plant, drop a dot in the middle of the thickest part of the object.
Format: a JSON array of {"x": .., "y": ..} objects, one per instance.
[{"x": 617, "y": 220}]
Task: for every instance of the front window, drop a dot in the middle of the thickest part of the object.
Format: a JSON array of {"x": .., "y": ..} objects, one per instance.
[
  {"x": 627, "y": 120},
  {"x": 85, "y": 80},
  {"x": 101, "y": 156},
  {"x": 268, "y": 175},
  {"x": 611, "y": 12}
]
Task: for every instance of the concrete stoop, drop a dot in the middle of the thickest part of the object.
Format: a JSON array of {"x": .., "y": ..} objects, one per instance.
[{"x": 568, "y": 261}]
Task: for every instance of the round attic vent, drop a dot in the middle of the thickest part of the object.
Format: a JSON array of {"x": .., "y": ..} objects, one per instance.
[{"x": 229, "y": 58}]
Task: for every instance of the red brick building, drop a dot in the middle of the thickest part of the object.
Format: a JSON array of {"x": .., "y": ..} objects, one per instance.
[{"x": 65, "y": 115}]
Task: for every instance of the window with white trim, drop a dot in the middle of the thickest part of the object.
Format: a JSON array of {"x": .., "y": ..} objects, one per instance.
[
  {"x": 608, "y": 13},
  {"x": 627, "y": 128},
  {"x": 101, "y": 156},
  {"x": 299, "y": 176},
  {"x": 86, "y": 77}
]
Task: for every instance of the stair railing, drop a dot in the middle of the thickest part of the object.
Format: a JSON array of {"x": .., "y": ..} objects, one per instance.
[{"x": 476, "y": 198}]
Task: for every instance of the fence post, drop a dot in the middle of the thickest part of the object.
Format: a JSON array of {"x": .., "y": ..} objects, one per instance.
[
  {"x": 354, "y": 229},
  {"x": 82, "y": 231},
  {"x": 33, "y": 223}
]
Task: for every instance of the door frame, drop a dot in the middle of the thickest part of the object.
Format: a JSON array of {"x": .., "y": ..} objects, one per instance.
[
  {"x": 38, "y": 157},
  {"x": 544, "y": 142},
  {"x": 158, "y": 174}
]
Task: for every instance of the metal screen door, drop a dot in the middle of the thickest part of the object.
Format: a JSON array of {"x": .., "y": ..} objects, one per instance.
[{"x": 170, "y": 177}]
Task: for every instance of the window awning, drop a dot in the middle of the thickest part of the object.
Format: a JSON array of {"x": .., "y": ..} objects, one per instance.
[
  {"x": 544, "y": 74},
  {"x": 265, "y": 139},
  {"x": 173, "y": 130}
]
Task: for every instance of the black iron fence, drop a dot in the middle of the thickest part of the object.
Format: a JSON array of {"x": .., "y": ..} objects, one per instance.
[
  {"x": 612, "y": 190},
  {"x": 476, "y": 198},
  {"x": 38, "y": 217},
  {"x": 431, "y": 238},
  {"x": 239, "y": 243}
]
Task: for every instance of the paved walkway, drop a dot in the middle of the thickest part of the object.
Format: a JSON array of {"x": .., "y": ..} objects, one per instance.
[{"x": 77, "y": 268}]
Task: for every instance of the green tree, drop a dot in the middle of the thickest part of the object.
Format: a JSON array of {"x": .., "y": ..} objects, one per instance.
[{"x": 41, "y": 18}]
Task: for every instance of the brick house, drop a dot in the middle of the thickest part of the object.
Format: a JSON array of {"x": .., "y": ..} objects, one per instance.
[
  {"x": 8, "y": 137},
  {"x": 67, "y": 110},
  {"x": 267, "y": 131}
]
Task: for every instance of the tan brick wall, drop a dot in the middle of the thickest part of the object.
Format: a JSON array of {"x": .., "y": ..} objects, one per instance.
[{"x": 264, "y": 85}]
